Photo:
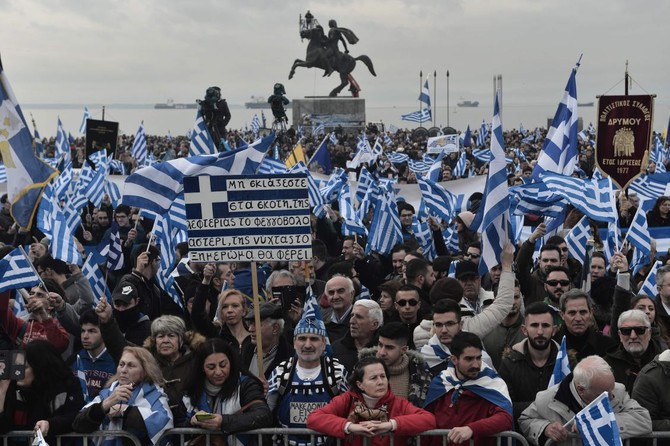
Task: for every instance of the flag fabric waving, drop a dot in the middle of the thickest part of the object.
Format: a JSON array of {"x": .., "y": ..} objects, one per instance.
[
  {"x": 420, "y": 116},
  {"x": 593, "y": 198},
  {"x": 26, "y": 174},
  {"x": 139, "y": 149},
  {"x": 155, "y": 188},
  {"x": 559, "y": 153},
  {"x": 596, "y": 423},
  {"x": 52, "y": 222},
  {"x": 82, "y": 126},
  {"x": 201, "y": 141},
  {"x": 424, "y": 96},
  {"x": 322, "y": 157},
  {"x": 561, "y": 366},
  {"x": 493, "y": 220},
  {"x": 16, "y": 271},
  {"x": 576, "y": 239}
]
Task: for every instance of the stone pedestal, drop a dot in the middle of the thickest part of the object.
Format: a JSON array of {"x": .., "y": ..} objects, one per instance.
[{"x": 349, "y": 113}]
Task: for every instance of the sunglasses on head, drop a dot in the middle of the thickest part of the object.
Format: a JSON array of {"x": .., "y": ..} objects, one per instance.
[
  {"x": 403, "y": 302},
  {"x": 626, "y": 331},
  {"x": 557, "y": 282}
]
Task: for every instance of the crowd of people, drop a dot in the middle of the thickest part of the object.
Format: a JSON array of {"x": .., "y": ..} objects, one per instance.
[{"x": 400, "y": 344}]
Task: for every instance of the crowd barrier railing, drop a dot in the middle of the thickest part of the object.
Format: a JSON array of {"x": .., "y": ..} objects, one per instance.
[
  {"x": 653, "y": 439},
  {"x": 29, "y": 435}
]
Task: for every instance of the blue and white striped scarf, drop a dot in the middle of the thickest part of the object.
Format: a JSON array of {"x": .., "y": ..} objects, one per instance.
[
  {"x": 488, "y": 385},
  {"x": 150, "y": 400}
]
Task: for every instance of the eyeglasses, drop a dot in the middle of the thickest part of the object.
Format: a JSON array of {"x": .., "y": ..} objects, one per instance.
[
  {"x": 472, "y": 255},
  {"x": 448, "y": 324},
  {"x": 557, "y": 282},
  {"x": 626, "y": 331},
  {"x": 403, "y": 302}
]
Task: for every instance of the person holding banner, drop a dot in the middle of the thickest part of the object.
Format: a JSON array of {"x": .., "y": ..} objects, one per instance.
[{"x": 551, "y": 415}]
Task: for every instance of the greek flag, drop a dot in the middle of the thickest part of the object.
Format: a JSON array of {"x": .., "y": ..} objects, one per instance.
[
  {"x": 319, "y": 129},
  {"x": 593, "y": 198},
  {"x": 114, "y": 193},
  {"x": 439, "y": 201},
  {"x": 255, "y": 125},
  {"x": 638, "y": 233},
  {"x": 82, "y": 126},
  {"x": 139, "y": 149},
  {"x": 112, "y": 250},
  {"x": 117, "y": 167},
  {"x": 72, "y": 217},
  {"x": 493, "y": 221},
  {"x": 649, "y": 285},
  {"x": 37, "y": 143},
  {"x": 576, "y": 239},
  {"x": 424, "y": 235},
  {"x": 164, "y": 232},
  {"x": 201, "y": 141},
  {"x": 397, "y": 158},
  {"x": 418, "y": 116},
  {"x": 336, "y": 181},
  {"x": 387, "y": 139},
  {"x": 92, "y": 183},
  {"x": 3, "y": 173},
  {"x": 451, "y": 240},
  {"x": 62, "y": 183},
  {"x": 561, "y": 366},
  {"x": 333, "y": 138},
  {"x": 322, "y": 157},
  {"x": 436, "y": 168},
  {"x": 365, "y": 180},
  {"x": 96, "y": 279},
  {"x": 155, "y": 188},
  {"x": 271, "y": 166},
  {"x": 352, "y": 224},
  {"x": 51, "y": 221},
  {"x": 459, "y": 170},
  {"x": 418, "y": 166},
  {"x": 559, "y": 152},
  {"x": 316, "y": 201},
  {"x": 424, "y": 96},
  {"x": 652, "y": 186},
  {"x": 177, "y": 214},
  {"x": 596, "y": 423},
  {"x": 385, "y": 230},
  {"x": 62, "y": 143},
  {"x": 482, "y": 135},
  {"x": 483, "y": 155},
  {"x": 537, "y": 199},
  {"x": 16, "y": 271}
]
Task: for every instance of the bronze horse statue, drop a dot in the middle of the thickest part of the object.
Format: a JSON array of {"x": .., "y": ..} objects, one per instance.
[{"x": 317, "y": 57}]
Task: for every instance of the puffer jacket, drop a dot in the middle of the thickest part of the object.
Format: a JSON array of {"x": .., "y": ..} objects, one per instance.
[{"x": 651, "y": 391}]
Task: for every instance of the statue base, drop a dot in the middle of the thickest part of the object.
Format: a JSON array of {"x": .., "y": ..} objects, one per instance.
[{"x": 348, "y": 113}]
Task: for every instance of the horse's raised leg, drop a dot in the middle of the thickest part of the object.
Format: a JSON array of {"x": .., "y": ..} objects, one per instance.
[{"x": 297, "y": 63}]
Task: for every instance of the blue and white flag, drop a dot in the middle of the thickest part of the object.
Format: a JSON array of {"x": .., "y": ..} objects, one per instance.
[
  {"x": 561, "y": 366},
  {"x": 597, "y": 424},
  {"x": 16, "y": 271},
  {"x": 593, "y": 198},
  {"x": 114, "y": 193},
  {"x": 420, "y": 116},
  {"x": 385, "y": 229},
  {"x": 638, "y": 233},
  {"x": 112, "y": 250},
  {"x": 576, "y": 239},
  {"x": 537, "y": 199},
  {"x": 418, "y": 166},
  {"x": 424, "y": 235},
  {"x": 482, "y": 135},
  {"x": 483, "y": 155},
  {"x": 96, "y": 279},
  {"x": 26, "y": 174},
  {"x": 117, "y": 166},
  {"x": 559, "y": 152},
  {"x": 436, "y": 168},
  {"x": 365, "y": 180},
  {"x": 52, "y": 222},
  {"x": 459, "y": 169},
  {"x": 439, "y": 201},
  {"x": 352, "y": 223},
  {"x": 155, "y": 188},
  {"x": 397, "y": 158},
  {"x": 493, "y": 219},
  {"x": 163, "y": 229},
  {"x": 139, "y": 149},
  {"x": 177, "y": 214},
  {"x": 271, "y": 166},
  {"x": 649, "y": 285},
  {"x": 92, "y": 183},
  {"x": 62, "y": 143},
  {"x": 82, "y": 126},
  {"x": 319, "y": 129},
  {"x": 201, "y": 141},
  {"x": 424, "y": 96},
  {"x": 316, "y": 201},
  {"x": 333, "y": 138},
  {"x": 467, "y": 138},
  {"x": 652, "y": 186},
  {"x": 255, "y": 125},
  {"x": 3, "y": 173}
]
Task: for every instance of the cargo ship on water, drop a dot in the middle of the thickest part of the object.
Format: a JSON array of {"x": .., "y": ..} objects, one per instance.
[
  {"x": 468, "y": 104},
  {"x": 261, "y": 102},
  {"x": 172, "y": 105}
]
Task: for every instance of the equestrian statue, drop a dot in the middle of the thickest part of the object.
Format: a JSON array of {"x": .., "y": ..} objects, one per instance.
[{"x": 324, "y": 52}]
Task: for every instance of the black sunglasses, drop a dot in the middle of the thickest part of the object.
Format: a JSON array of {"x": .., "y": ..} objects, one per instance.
[
  {"x": 403, "y": 302},
  {"x": 626, "y": 331},
  {"x": 556, "y": 282}
]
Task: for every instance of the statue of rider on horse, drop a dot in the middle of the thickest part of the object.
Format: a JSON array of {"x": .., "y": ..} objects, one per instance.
[{"x": 324, "y": 52}]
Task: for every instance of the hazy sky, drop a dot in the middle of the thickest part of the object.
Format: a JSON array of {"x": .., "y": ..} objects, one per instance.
[{"x": 145, "y": 51}]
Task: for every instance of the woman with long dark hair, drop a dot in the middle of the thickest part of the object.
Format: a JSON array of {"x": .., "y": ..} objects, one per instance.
[
  {"x": 48, "y": 398},
  {"x": 219, "y": 395},
  {"x": 369, "y": 408},
  {"x": 659, "y": 215}
]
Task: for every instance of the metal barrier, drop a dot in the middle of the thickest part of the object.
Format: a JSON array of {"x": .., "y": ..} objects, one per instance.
[
  {"x": 29, "y": 435},
  {"x": 575, "y": 440},
  {"x": 501, "y": 438}
]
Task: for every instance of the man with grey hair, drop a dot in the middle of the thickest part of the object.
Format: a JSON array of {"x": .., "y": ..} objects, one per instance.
[
  {"x": 578, "y": 326},
  {"x": 366, "y": 318},
  {"x": 554, "y": 408},
  {"x": 663, "y": 299},
  {"x": 635, "y": 349},
  {"x": 340, "y": 292}
]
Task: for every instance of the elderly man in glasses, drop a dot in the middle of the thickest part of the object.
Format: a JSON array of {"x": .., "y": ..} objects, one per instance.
[{"x": 635, "y": 349}]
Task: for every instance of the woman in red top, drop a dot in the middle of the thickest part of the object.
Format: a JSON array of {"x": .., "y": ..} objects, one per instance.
[{"x": 369, "y": 408}]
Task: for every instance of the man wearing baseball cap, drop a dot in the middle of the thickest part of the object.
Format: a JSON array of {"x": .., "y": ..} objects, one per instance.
[{"x": 275, "y": 346}]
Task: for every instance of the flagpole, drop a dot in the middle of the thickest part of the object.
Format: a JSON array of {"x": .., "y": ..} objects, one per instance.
[
  {"x": 42, "y": 285},
  {"x": 420, "y": 109},
  {"x": 434, "y": 96},
  {"x": 447, "y": 98}
]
